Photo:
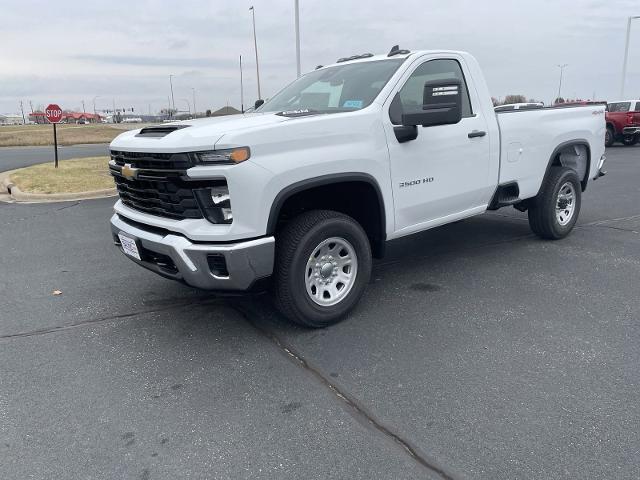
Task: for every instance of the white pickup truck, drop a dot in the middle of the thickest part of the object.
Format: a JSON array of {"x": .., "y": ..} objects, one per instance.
[{"x": 303, "y": 192}]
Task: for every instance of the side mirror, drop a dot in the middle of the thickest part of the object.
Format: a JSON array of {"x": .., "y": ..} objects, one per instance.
[
  {"x": 405, "y": 133},
  {"x": 442, "y": 105},
  {"x": 258, "y": 103}
]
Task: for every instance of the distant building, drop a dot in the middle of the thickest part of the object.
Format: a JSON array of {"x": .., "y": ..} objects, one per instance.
[
  {"x": 225, "y": 111},
  {"x": 67, "y": 117},
  {"x": 10, "y": 119}
]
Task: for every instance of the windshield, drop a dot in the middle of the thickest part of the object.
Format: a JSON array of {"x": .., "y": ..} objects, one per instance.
[{"x": 335, "y": 89}]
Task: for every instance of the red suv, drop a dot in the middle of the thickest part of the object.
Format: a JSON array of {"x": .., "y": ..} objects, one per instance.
[{"x": 623, "y": 122}]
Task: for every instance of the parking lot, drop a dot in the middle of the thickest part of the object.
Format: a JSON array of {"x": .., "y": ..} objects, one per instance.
[{"x": 479, "y": 351}]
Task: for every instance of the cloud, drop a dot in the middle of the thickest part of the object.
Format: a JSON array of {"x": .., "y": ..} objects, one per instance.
[
  {"x": 178, "y": 44},
  {"x": 197, "y": 62},
  {"x": 125, "y": 51}
]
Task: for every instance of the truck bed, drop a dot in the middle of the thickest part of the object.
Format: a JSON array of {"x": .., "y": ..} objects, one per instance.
[{"x": 529, "y": 139}]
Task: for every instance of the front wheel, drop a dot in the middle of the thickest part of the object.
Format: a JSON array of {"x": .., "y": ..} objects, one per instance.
[
  {"x": 554, "y": 211},
  {"x": 323, "y": 265},
  {"x": 630, "y": 140}
]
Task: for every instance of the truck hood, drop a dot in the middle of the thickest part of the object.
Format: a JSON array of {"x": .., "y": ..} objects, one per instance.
[{"x": 190, "y": 135}]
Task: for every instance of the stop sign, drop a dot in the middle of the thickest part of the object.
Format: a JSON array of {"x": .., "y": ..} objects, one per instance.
[{"x": 53, "y": 113}]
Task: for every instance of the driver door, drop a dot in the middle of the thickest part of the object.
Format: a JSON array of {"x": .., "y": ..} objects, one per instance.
[{"x": 445, "y": 170}]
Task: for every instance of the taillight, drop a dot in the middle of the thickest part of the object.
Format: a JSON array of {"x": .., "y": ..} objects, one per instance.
[{"x": 629, "y": 117}]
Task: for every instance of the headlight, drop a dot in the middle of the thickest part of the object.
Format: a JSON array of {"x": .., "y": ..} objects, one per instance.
[
  {"x": 229, "y": 155},
  {"x": 215, "y": 203}
]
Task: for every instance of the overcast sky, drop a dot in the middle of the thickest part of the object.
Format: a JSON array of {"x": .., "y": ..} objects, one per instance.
[{"x": 66, "y": 51}]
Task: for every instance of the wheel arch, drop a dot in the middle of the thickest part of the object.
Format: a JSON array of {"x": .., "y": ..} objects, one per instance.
[
  {"x": 305, "y": 193},
  {"x": 571, "y": 159}
]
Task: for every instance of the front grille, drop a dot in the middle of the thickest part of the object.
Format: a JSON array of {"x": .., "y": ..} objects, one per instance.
[
  {"x": 162, "y": 198},
  {"x": 153, "y": 161},
  {"x": 157, "y": 185}
]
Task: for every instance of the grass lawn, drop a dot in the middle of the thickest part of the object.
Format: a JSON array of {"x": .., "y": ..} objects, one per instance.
[
  {"x": 42, "y": 135},
  {"x": 71, "y": 176}
]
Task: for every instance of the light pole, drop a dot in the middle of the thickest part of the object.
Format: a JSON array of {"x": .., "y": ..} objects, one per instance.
[
  {"x": 188, "y": 105},
  {"x": 561, "y": 67},
  {"x": 241, "y": 88},
  {"x": 297, "y": 13},
  {"x": 195, "y": 112},
  {"x": 173, "y": 102},
  {"x": 94, "y": 104},
  {"x": 626, "y": 55},
  {"x": 24, "y": 120},
  {"x": 255, "y": 46}
]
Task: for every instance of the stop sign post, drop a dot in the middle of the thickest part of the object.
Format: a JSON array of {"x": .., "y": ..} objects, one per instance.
[{"x": 54, "y": 114}]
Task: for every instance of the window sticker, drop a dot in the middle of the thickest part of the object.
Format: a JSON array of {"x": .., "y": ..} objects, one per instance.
[{"x": 352, "y": 104}]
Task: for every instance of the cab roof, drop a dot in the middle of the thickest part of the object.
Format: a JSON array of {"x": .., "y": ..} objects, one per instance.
[{"x": 368, "y": 57}]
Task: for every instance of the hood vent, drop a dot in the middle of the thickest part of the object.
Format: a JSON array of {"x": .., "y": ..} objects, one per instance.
[{"x": 160, "y": 131}]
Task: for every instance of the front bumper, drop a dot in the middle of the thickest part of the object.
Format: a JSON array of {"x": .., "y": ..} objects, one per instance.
[
  {"x": 210, "y": 266},
  {"x": 631, "y": 130}
]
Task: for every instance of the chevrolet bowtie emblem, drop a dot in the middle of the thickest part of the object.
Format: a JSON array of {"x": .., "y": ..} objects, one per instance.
[{"x": 129, "y": 172}]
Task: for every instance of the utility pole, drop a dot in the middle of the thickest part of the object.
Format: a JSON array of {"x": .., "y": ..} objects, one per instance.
[
  {"x": 24, "y": 120},
  {"x": 561, "y": 67},
  {"x": 255, "y": 46},
  {"x": 297, "y": 14},
  {"x": 195, "y": 112},
  {"x": 173, "y": 102},
  {"x": 626, "y": 56},
  {"x": 83, "y": 109},
  {"x": 241, "y": 88}
]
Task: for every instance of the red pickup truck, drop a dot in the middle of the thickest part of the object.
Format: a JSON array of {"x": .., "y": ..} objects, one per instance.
[{"x": 623, "y": 122}]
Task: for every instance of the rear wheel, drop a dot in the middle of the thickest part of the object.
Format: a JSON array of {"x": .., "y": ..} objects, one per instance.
[
  {"x": 609, "y": 137},
  {"x": 323, "y": 265},
  {"x": 630, "y": 140},
  {"x": 554, "y": 211}
]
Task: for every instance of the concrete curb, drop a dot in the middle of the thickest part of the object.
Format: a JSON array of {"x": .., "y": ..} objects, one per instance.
[
  {"x": 6, "y": 186},
  {"x": 5, "y": 183}
]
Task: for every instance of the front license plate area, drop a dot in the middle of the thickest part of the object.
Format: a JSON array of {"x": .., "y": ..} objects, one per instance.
[{"x": 129, "y": 246}]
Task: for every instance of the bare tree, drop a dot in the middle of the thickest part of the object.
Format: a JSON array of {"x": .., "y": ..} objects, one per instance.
[{"x": 515, "y": 99}]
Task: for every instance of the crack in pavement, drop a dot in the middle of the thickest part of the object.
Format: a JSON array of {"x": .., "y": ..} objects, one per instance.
[
  {"x": 610, "y": 227},
  {"x": 606, "y": 220},
  {"x": 356, "y": 409},
  {"x": 110, "y": 318},
  {"x": 36, "y": 215}
]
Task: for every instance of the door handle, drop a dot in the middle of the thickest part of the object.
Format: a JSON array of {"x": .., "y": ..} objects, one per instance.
[{"x": 476, "y": 133}]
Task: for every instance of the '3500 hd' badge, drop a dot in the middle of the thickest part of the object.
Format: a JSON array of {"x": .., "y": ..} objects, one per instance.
[{"x": 419, "y": 181}]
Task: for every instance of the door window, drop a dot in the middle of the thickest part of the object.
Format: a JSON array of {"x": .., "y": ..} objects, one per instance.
[
  {"x": 619, "y": 107},
  {"x": 411, "y": 95}
]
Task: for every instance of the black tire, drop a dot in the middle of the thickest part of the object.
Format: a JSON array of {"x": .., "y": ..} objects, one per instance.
[
  {"x": 542, "y": 213},
  {"x": 630, "y": 140},
  {"x": 295, "y": 245},
  {"x": 609, "y": 137}
]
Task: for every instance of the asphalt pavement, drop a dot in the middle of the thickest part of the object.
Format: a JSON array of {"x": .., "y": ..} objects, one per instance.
[
  {"x": 18, "y": 157},
  {"x": 478, "y": 352}
]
